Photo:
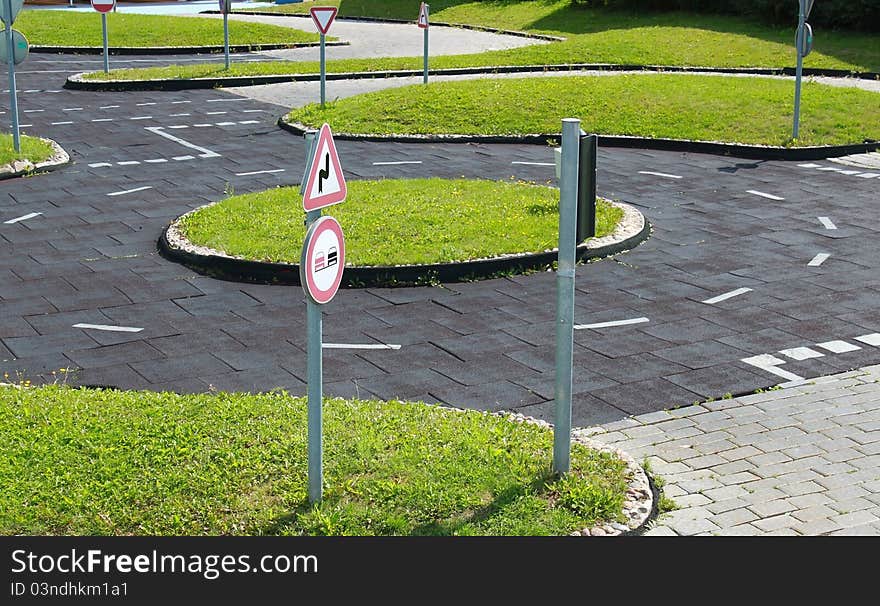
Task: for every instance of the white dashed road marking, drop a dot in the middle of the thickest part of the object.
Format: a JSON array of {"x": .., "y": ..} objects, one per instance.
[
  {"x": 396, "y": 163},
  {"x": 130, "y": 191},
  {"x": 61, "y": 123},
  {"x": 535, "y": 163},
  {"x": 22, "y": 218},
  {"x": 838, "y": 346},
  {"x": 801, "y": 353},
  {"x": 827, "y": 223},
  {"x": 818, "y": 260},
  {"x": 666, "y": 175},
  {"x": 359, "y": 346},
  {"x": 260, "y": 172},
  {"x": 768, "y": 363},
  {"x": 205, "y": 153},
  {"x": 872, "y": 339},
  {"x": 108, "y": 328},
  {"x": 727, "y": 295},
  {"x": 611, "y": 324},
  {"x": 763, "y": 195}
]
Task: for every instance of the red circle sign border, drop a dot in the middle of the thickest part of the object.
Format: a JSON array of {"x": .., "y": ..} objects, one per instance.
[
  {"x": 103, "y": 9},
  {"x": 306, "y": 275}
]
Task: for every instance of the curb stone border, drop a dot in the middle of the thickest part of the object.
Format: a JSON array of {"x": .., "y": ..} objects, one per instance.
[
  {"x": 20, "y": 168},
  {"x": 755, "y": 152},
  {"x": 632, "y": 230},
  {"x": 177, "y": 50},
  {"x": 77, "y": 82}
]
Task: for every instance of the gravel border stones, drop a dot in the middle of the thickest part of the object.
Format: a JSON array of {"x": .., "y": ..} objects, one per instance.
[{"x": 18, "y": 168}]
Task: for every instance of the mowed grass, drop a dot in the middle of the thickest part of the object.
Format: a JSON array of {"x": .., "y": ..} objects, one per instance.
[
  {"x": 601, "y": 35},
  {"x": 60, "y": 28},
  {"x": 32, "y": 148},
  {"x": 106, "y": 462},
  {"x": 707, "y": 108},
  {"x": 395, "y": 221}
]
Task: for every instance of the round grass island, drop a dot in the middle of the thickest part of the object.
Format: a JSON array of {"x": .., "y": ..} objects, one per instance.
[{"x": 398, "y": 232}]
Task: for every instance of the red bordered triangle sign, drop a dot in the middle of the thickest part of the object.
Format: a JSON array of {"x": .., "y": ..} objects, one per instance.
[
  {"x": 423, "y": 16},
  {"x": 323, "y": 17},
  {"x": 325, "y": 183}
]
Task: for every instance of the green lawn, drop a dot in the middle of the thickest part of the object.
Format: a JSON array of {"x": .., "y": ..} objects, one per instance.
[
  {"x": 395, "y": 221},
  {"x": 105, "y": 462},
  {"x": 32, "y": 148},
  {"x": 60, "y": 28},
  {"x": 731, "y": 109},
  {"x": 601, "y": 35}
]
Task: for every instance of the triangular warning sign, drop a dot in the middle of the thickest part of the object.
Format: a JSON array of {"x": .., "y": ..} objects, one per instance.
[
  {"x": 423, "y": 16},
  {"x": 323, "y": 16},
  {"x": 325, "y": 184}
]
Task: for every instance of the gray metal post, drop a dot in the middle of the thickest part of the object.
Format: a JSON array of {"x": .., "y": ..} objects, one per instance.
[
  {"x": 13, "y": 94},
  {"x": 323, "y": 70},
  {"x": 800, "y": 67},
  {"x": 316, "y": 390},
  {"x": 226, "y": 37},
  {"x": 106, "y": 53},
  {"x": 568, "y": 186},
  {"x": 314, "y": 364},
  {"x": 425, "y": 78}
]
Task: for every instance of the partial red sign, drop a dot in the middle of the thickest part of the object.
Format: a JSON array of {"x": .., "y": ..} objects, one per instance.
[{"x": 325, "y": 183}]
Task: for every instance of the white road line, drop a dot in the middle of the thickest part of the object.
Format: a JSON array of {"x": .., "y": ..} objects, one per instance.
[
  {"x": 252, "y": 111},
  {"x": 33, "y": 90},
  {"x": 128, "y": 163},
  {"x": 182, "y": 158},
  {"x": 156, "y": 161},
  {"x": 178, "y": 115},
  {"x": 179, "y": 102},
  {"x": 872, "y": 339},
  {"x": 612, "y": 323},
  {"x": 397, "y": 163},
  {"x": 768, "y": 363},
  {"x": 201, "y": 125},
  {"x": 103, "y": 120},
  {"x": 535, "y": 163},
  {"x": 838, "y": 346},
  {"x": 668, "y": 176},
  {"x": 832, "y": 169},
  {"x": 33, "y": 111},
  {"x": 828, "y": 223},
  {"x": 100, "y": 165},
  {"x": 143, "y": 104},
  {"x": 22, "y": 218},
  {"x": 260, "y": 172},
  {"x": 727, "y": 295},
  {"x": 108, "y": 107},
  {"x": 868, "y": 175},
  {"x": 177, "y": 126},
  {"x": 223, "y": 100},
  {"x": 206, "y": 153},
  {"x": 810, "y": 165},
  {"x": 108, "y": 328},
  {"x": 60, "y": 123},
  {"x": 818, "y": 260},
  {"x": 215, "y": 113},
  {"x": 763, "y": 195},
  {"x": 130, "y": 191},
  {"x": 141, "y": 118},
  {"x": 801, "y": 353},
  {"x": 24, "y": 125},
  {"x": 249, "y": 122},
  {"x": 359, "y": 346},
  {"x": 225, "y": 124}
]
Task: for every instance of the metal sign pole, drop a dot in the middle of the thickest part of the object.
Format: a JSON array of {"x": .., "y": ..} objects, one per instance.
[
  {"x": 799, "y": 70},
  {"x": 425, "y": 78},
  {"x": 568, "y": 191},
  {"x": 13, "y": 95},
  {"x": 323, "y": 70},
  {"x": 106, "y": 53},
  {"x": 314, "y": 364},
  {"x": 226, "y": 36}
]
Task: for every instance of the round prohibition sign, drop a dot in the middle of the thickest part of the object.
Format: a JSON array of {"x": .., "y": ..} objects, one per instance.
[{"x": 323, "y": 260}]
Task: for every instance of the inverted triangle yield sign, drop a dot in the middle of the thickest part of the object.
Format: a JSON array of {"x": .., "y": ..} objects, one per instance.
[
  {"x": 325, "y": 184},
  {"x": 323, "y": 16}
]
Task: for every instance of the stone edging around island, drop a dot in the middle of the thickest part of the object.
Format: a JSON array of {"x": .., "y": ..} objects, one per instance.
[
  {"x": 76, "y": 81},
  {"x": 19, "y": 168},
  {"x": 753, "y": 152},
  {"x": 631, "y": 231},
  {"x": 177, "y": 50},
  {"x": 641, "y": 500},
  {"x": 478, "y": 28}
]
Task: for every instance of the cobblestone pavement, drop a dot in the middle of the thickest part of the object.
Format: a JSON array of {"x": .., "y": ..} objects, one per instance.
[{"x": 803, "y": 460}]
